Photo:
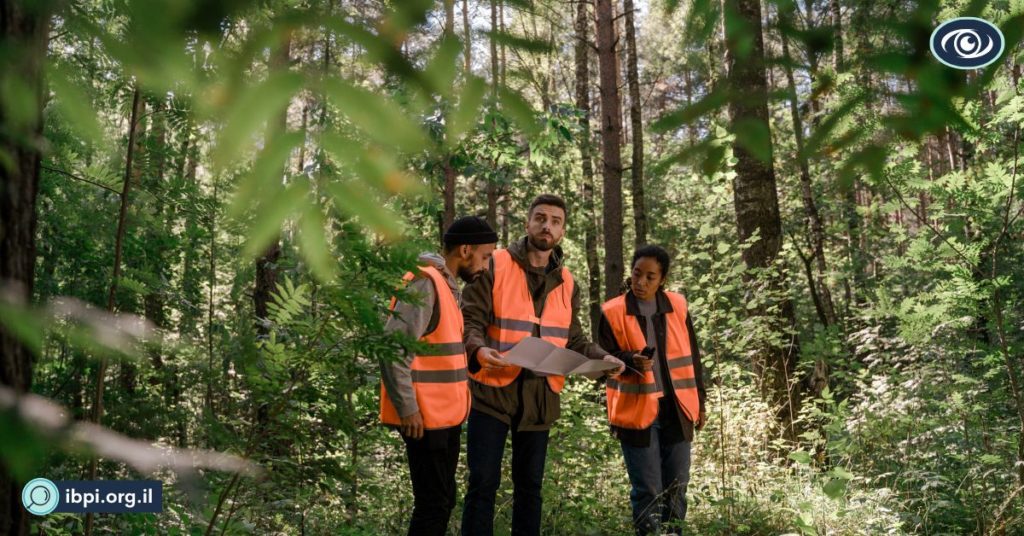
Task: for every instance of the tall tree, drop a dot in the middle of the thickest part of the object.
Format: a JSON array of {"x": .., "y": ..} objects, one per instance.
[
  {"x": 449, "y": 171},
  {"x": 756, "y": 198},
  {"x": 838, "y": 59},
  {"x": 582, "y": 60},
  {"x": 821, "y": 294},
  {"x": 492, "y": 179},
  {"x": 636, "y": 167},
  {"x": 23, "y": 37},
  {"x": 134, "y": 124},
  {"x": 266, "y": 264},
  {"x": 611, "y": 146}
]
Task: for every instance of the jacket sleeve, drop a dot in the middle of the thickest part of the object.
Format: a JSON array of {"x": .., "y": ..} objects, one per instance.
[
  {"x": 606, "y": 338},
  {"x": 477, "y": 312},
  {"x": 698, "y": 369},
  {"x": 578, "y": 341},
  {"x": 411, "y": 320}
]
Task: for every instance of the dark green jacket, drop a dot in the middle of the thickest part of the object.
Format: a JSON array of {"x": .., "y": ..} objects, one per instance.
[{"x": 527, "y": 404}]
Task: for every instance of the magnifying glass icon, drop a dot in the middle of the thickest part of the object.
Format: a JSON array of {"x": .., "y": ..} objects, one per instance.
[{"x": 39, "y": 496}]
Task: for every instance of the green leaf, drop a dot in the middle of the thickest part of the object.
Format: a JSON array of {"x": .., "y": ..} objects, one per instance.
[
  {"x": 519, "y": 110},
  {"x": 314, "y": 246},
  {"x": 269, "y": 216},
  {"x": 687, "y": 114},
  {"x": 354, "y": 199},
  {"x": 377, "y": 116},
  {"x": 536, "y": 46},
  {"x": 800, "y": 456},
  {"x": 835, "y": 488},
  {"x": 441, "y": 69},
  {"x": 839, "y": 472},
  {"x": 266, "y": 173},
  {"x": 375, "y": 167},
  {"x": 753, "y": 135},
  {"x": 464, "y": 116},
  {"x": 23, "y": 325},
  {"x": 250, "y": 112},
  {"x": 75, "y": 105}
]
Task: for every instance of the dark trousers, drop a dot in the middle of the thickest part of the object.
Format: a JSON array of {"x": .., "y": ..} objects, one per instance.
[
  {"x": 432, "y": 462},
  {"x": 659, "y": 474},
  {"x": 485, "y": 445}
]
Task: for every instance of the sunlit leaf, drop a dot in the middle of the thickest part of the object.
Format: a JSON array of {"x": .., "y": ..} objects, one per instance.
[
  {"x": 519, "y": 110},
  {"x": 277, "y": 206},
  {"x": 466, "y": 112},
  {"x": 314, "y": 245},
  {"x": 536, "y": 46},
  {"x": 687, "y": 114},
  {"x": 75, "y": 105},
  {"x": 379, "y": 117},
  {"x": 354, "y": 199},
  {"x": 443, "y": 66},
  {"x": 266, "y": 173},
  {"x": 250, "y": 113}
]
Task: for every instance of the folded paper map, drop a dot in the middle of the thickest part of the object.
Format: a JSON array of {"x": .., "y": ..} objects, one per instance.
[{"x": 546, "y": 359}]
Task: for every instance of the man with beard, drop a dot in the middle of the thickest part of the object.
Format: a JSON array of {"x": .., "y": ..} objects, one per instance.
[
  {"x": 425, "y": 393},
  {"x": 527, "y": 292}
]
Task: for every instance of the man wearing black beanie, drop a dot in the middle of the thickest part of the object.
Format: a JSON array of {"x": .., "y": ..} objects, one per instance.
[{"x": 424, "y": 393}]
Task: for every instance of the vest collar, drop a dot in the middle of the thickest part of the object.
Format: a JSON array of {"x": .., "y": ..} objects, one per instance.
[{"x": 664, "y": 304}]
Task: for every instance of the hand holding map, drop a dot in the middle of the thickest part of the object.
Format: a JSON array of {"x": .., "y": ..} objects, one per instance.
[{"x": 546, "y": 359}]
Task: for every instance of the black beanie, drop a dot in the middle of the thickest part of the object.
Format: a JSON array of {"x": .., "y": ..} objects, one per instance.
[{"x": 469, "y": 230}]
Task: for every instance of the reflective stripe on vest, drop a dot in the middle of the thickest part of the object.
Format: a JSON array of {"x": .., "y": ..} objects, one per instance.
[
  {"x": 515, "y": 318},
  {"x": 633, "y": 399},
  {"x": 439, "y": 368}
]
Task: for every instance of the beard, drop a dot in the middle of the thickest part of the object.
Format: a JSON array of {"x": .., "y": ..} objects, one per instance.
[
  {"x": 468, "y": 276},
  {"x": 547, "y": 244}
]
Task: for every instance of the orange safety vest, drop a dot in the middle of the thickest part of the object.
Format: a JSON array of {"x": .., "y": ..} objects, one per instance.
[
  {"x": 514, "y": 318},
  {"x": 633, "y": 399},
  {"x": 438, "y": 371}
]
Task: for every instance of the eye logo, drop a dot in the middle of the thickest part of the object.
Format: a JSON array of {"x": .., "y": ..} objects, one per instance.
[{"x": 967, "y": 43}]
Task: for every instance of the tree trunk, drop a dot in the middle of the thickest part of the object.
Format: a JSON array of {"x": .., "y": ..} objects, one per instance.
[
  {"x": 582, "y": 57},
  {"x": 817, "y": 232},
  {"x": 492, "y": 177},
  {"x": 23, "y": 37},
  {"x": 266, "y": 264},
  {"x": 636, "y": 128},
  {"x": 611, "y": 143},
  {"x": 449, "y": 171},
  {"x": 138, "y": 106},
  {"x": 756, "y": 200},
  {"x": 838, "y": 60}
]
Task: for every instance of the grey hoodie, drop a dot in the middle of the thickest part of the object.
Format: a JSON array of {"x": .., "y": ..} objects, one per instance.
[{"x": 414, "y": 320}]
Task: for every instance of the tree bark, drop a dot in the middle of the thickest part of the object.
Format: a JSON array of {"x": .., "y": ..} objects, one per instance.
[
  {"x": 582, "y": 58},
  {"x": 611, "y": 143},
  {"x": 636, "y": 168},
  {"x": 756, "y": 200},
  {"x": 23, "y": 37}
]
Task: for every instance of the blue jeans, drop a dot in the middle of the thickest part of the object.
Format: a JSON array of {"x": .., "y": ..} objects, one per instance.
[
  {"x": 485, "y": 445},
  {"x": 659, "y": 474}
]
